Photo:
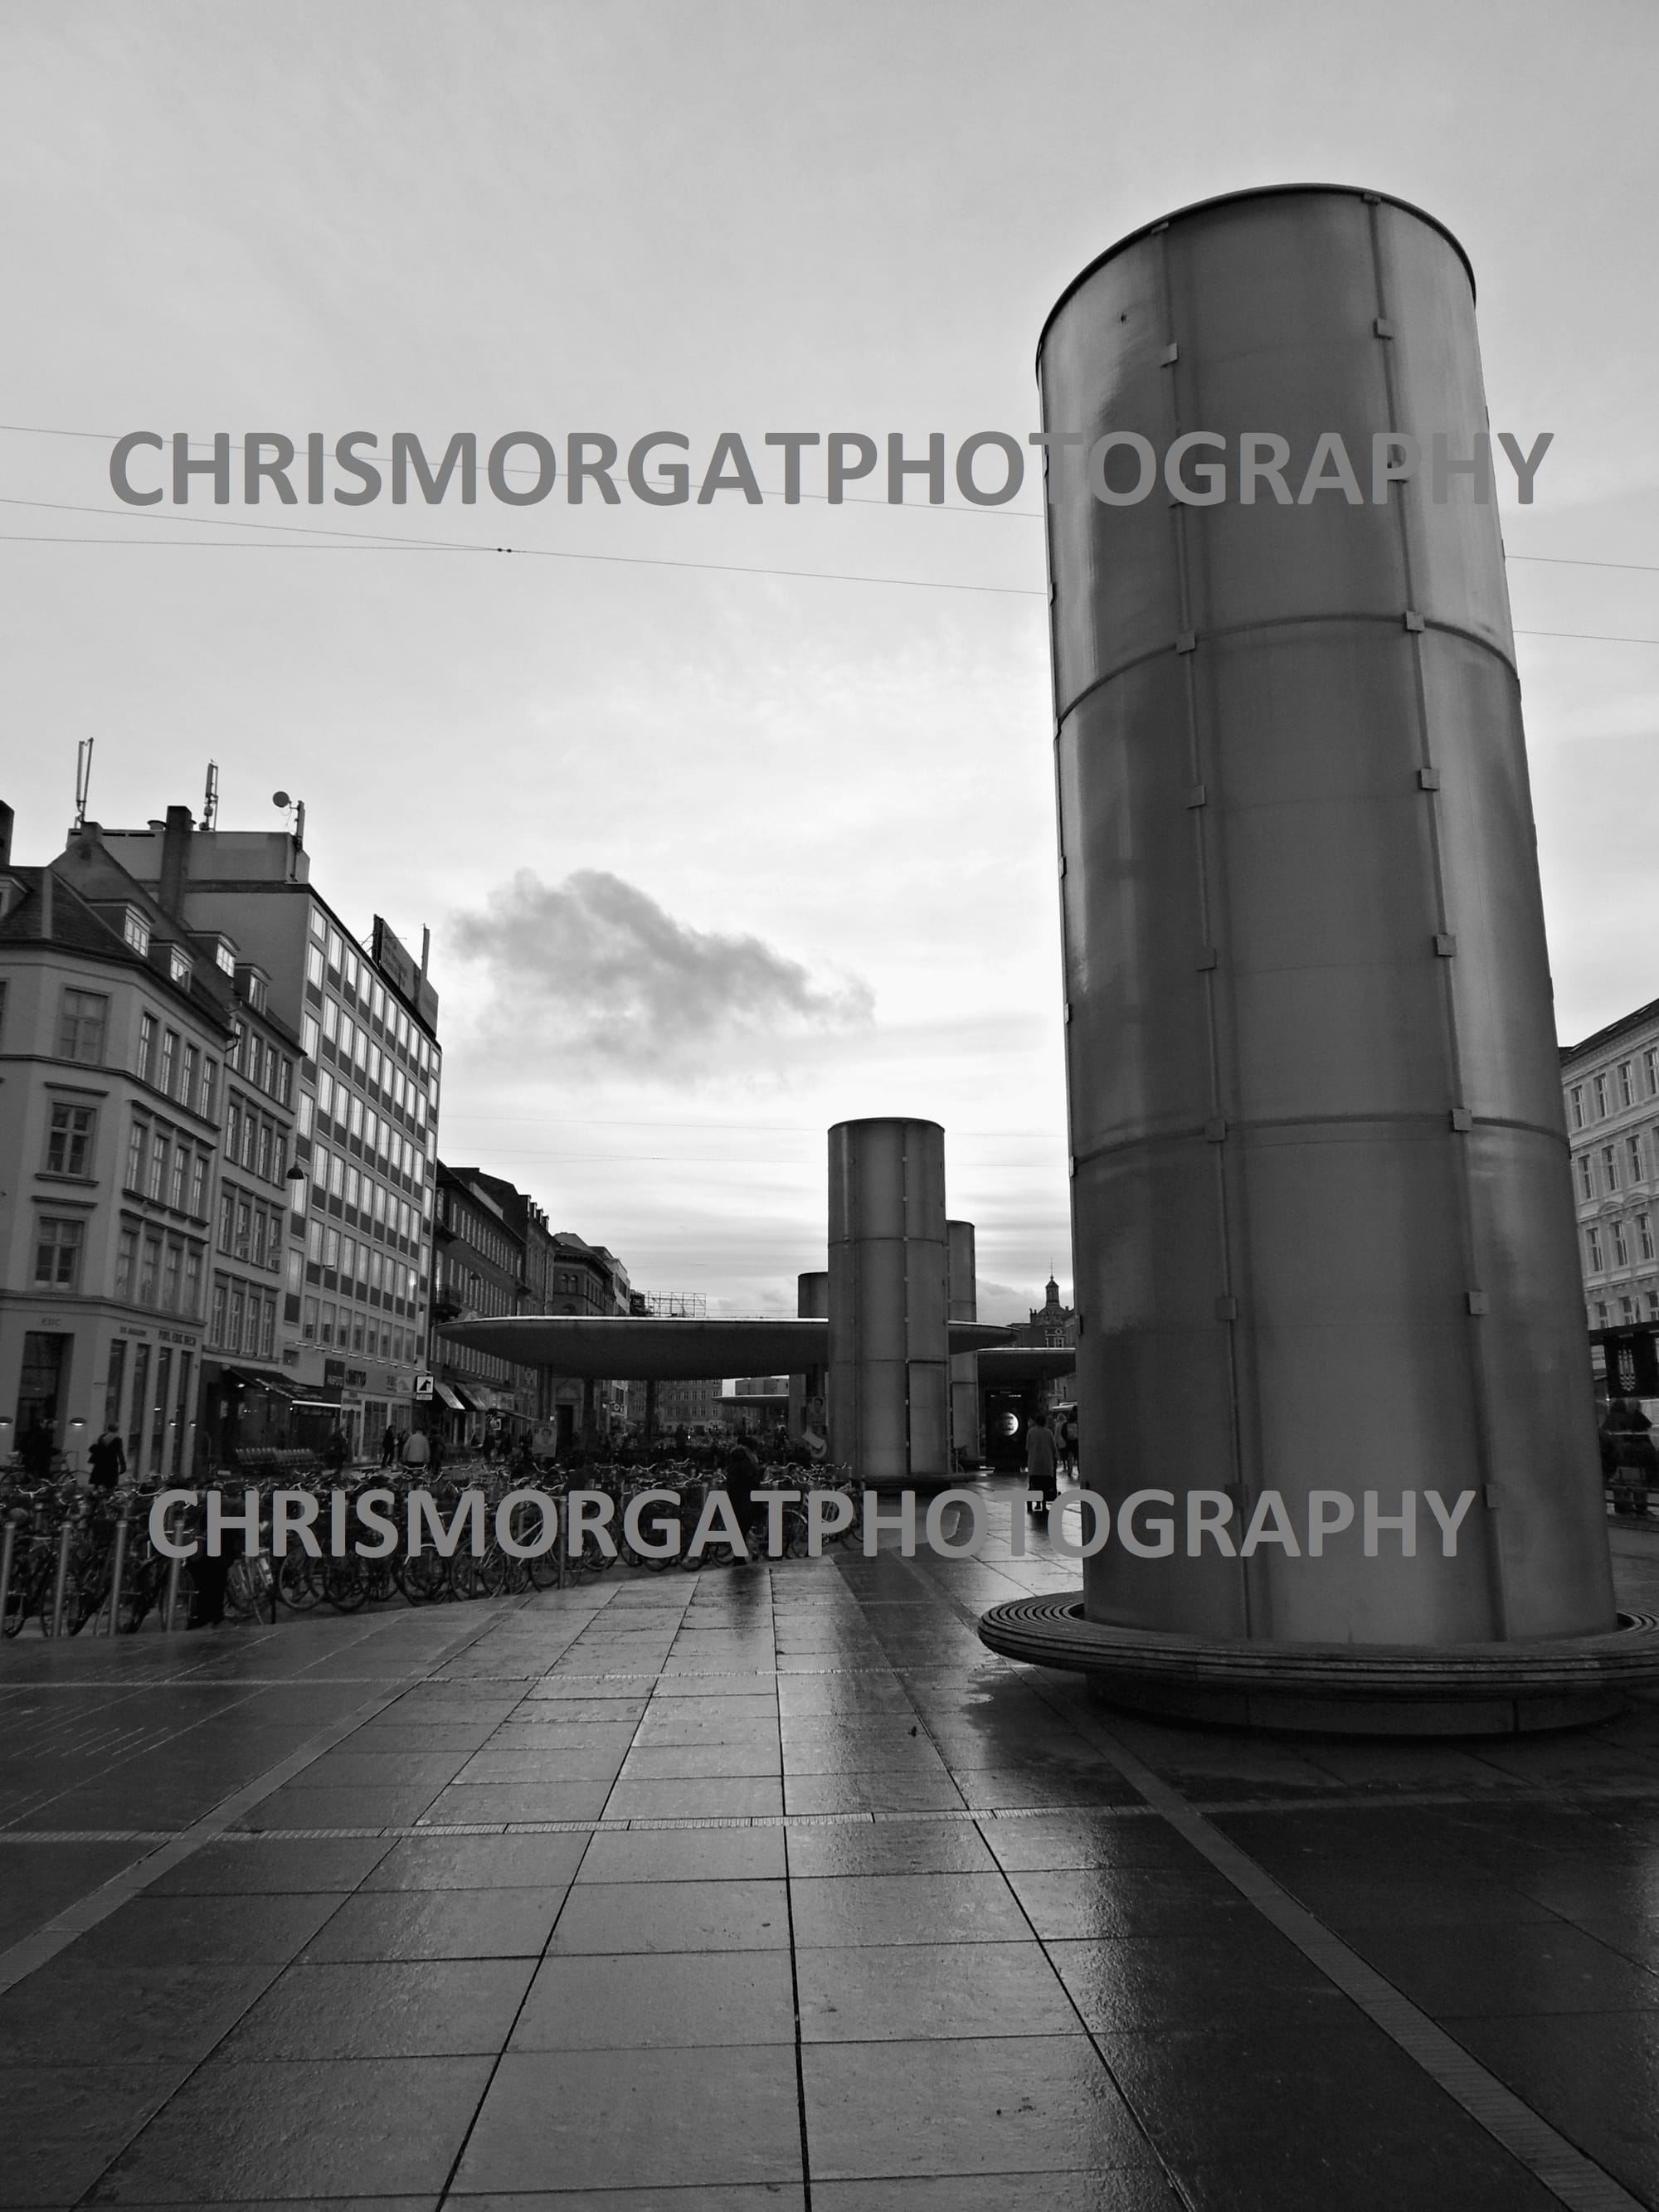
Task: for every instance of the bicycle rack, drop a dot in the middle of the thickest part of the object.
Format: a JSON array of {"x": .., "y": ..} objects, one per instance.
[
  {"x": 175, "y": 1567},
  {"x": 60, "y": 1586},
  {"x": 118, "y": 1568},
  {"x": 8, "y": 1551}
]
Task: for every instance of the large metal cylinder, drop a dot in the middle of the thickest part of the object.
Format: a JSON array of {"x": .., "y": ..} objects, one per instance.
[
  {"x": 1323, "y": 1230},
  {"x": 889, "y": 1272},
  {"x": 806, "y": 1390},
  {"x": 964, "y": 1365}
]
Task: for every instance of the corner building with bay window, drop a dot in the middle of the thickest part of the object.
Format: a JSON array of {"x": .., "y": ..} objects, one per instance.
[{"x": 351, "y": 1280}]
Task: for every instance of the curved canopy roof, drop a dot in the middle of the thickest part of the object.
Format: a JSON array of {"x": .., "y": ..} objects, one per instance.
[{"x": 640, "y": 1348}]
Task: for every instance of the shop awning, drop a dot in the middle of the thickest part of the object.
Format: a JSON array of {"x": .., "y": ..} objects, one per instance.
[
  {"x": 252, "y": 1380},
  {"x": 443, "y": 1391}
]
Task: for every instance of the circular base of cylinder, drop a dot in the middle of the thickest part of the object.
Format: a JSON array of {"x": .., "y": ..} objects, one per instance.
[{"x": 1336, "y": 1689}]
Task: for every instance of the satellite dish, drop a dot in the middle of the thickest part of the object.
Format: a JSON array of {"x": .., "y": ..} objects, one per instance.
[{"x": 280, "y": 798}]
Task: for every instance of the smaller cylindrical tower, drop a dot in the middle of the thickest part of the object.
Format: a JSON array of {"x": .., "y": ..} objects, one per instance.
[
  {"x": 889, "y": 1296},
  {"x": 964, "y": 1365},
  {"x": 807, "y": 1408}
]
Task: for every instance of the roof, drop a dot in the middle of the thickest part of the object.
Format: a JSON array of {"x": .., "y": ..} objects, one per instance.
[
  {"x": 635, "y": 1348},
  {"x": 77, "y": 927},
  {"x": 1604, "y": 1036}
]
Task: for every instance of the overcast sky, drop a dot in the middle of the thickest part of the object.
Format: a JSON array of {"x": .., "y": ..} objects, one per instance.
[{"x": 714, "y": 859}]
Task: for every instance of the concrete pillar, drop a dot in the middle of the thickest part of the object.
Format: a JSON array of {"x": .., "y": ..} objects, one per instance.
[
  {"x": 964, "y": 1366},
  {"x": 889, "y": 1293},
  {"x": 812, "y": 1303},
  {"x": 1323, "y": 1224}
]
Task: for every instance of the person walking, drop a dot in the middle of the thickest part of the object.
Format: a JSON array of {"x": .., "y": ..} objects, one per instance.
[
  {"x": 389, "y": 1445},
  {"x": 418, "y": 1453},
  {"x": 208, "y": 1575},
  {"x": 336, "y": 1451},
  {"x": 106, "y": 1462},
  {"x": 1041, "y": 1466}
]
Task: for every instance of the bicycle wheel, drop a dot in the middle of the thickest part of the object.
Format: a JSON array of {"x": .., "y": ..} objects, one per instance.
[
  {"x": 423, "y": 1577},
  {"x": 144, "y": 1585},
  {"x": 24, "y": 1595},
  {"x": 300, "y": 1582},
  {"x": 250, "y": 1592},
  {"x": 345, "y": 1584}
]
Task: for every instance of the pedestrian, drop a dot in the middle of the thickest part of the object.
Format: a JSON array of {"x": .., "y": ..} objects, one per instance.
[
  {"x": 388, "y": 1445},
  {"x": 107, "y": 1460},
  {"x": 37, "y": 1450},
  {"x": 1041, "y": 1466},
  {"x": 208, "y": 1575},
  {"x": 336, "y": 1451},
  {"x": 417, "y": 1452},
  {"x": 738, "y": 1479}
]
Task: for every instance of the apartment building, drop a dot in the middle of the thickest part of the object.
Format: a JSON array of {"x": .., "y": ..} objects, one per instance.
[{"x": 1611, "y": 1085}]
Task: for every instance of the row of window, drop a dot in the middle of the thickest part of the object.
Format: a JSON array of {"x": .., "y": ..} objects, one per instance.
[
  {"x": 1603, "y": 1310},
  {"x": 323, "y": 1322},
  {"x": 163, "y": 1273},
  {"x": 259, "y": 1059},
  {"x": 165, "y": 1418},
  {"x": 252, "y": 1140},
  {"x": 358, "y": 979},
  {"x": 1632, "y": 1165},
  {"x": 354, "y": 1045},
  {"x": 337, "y": 1103},
  {"x": 1620, "y": 1242},
  {"x": 249, "y": 1230},
  {"x": 1617, "y": 1083},
  {"x": 243, "y": 1320},
  {"x": 472, "y": 1230},
  {"x": 356, "y": 1260},
  {"x": 334, "y": 1173},
  {"x": 167, "y": 1168},
  {"x": 175, "y": 1068}
]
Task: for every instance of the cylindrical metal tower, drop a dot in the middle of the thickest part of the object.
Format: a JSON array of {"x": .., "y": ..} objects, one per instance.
[
  {"x": 889, "y": 1343},
  {"x": 1321, "y": 1217},
  {"x": 812, "y": 1303},
  {"x": 964, "y": 1365}
]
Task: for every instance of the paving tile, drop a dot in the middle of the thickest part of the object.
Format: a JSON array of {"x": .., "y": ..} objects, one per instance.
[
  {"x": 858, "y": 1751},
  {"x": 292, "y": 1806},
  {"x": 838, "y": 1910},
  {"x": 673, "y": 1916},
  {"x": 1125, "y": 2189},
  {"x": 80, "y": 2012},
  {"x": 724, "y": 1720},
  {"x": 1085, "y": 1902},
  {"x": 1059, "y": 1840},
  {"x": 749, "y": 2196},
  {"x": 890, "y": 1791},
  {"x": 441, "y": 1924},
  {"x": 688, "y": 1762},
  {"x": 1244, "y": 1971},
  {"x": 274, "y": 1866},
  {"x": 721, "y": 1797},
  {"x": 359, "y": 2127},
  {"x": 568, "y": 1761},
  {"x": 237, "y": 1929},
  {"x": 690, "y": 2000},
  {"x": 1591, "y": 2074},
  {"x": 989, "y": 2104},
  {"x": 1535, "y": 1968},
  {"x": 404, "y": 2009},
  {"x": 63, "y": 2125},
  {"x": 354, "y": 1768},
  {"x": 1312, "y": 2114},
  {"x": 870, "y": 1993},
  {"x": 438, "y": 1862},
  {"x": 685, "y": 1855},
  {"x": 919, "y": 1846},
  {"x": 517, "y": 1801},
  {"x": 631, "y": 2119}
]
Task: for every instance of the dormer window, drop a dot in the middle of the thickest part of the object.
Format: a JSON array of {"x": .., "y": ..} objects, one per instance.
[
  {"x": 178, "y": 967},
  {"x": 225, "y": 958},
  {"x": 136, "y": 930}
]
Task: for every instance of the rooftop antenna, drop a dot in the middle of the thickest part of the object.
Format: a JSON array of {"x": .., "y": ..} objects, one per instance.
[
  {"x": 298, "y": 825},
  {"x": 210, "y": 797},
  {"x": 82, "y": 779}
]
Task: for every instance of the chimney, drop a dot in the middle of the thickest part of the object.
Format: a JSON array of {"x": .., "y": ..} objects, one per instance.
[
  {"x": 7, "y": 818},
  {"x": 46, "y": 880},
  {"x": 175, "y": 861},
  {"x": 426, "y": 946}
]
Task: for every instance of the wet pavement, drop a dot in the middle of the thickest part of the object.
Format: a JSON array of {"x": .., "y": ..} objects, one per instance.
[{"x": 771, "y": 1887}]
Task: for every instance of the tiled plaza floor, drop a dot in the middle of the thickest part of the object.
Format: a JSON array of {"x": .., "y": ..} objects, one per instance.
[{"x": 771, "y": 1887}]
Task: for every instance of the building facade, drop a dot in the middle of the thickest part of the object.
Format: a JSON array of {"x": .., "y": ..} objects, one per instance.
[
  {"x": 1611, "y": 1087},
  {"x": 355, "y": 1267},
  {"x": 479, "y": 1272},
  {"x": 115, "y": 1024}
]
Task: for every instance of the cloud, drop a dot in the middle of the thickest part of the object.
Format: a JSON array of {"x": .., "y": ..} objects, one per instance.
[{"x": 598, "y": 975}]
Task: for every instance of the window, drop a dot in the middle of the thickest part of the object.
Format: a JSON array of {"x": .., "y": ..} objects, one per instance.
[
  {"x": 372, "y": 1131},
  {"x": 380, "y": 1201},
  {"x": 349, "y": 1256},
  {"x": 331, "y": 1018},
  {"x": 1593, "y": 1246},
  {"x": 328, "y": 1325},
  {"x": 158, "y": 1165},
  {"x": 357, "y": 1332},
  {"x": 326, "y": 1093},
  {"x": 336, "y": 1177},
  {"x": 178, "y": 964},
  {"x": 187, "y": 1075},
  {"x": 347, "y": 1035},
  {"x": 296, "y": 1268},
  {"x": 1626, "y": 1089},
  {"x": 169, "y": 1061},
  {"x": 331, "y": 1249},
  {"x": 1634, "y": 1152},
  {"x": 1653, "y": 1306},
  {"x": 258, "y": 1237},
  {"x": 57, "y": 1252},
  {"x": 1575, "y": 1098},
  {"x": 1600, "y": 1313},
  {"x": 221, "y": 1308},
  {"x": 180, "y": 1169},
  {"x": 356, "y": 1116},
  {"x": 149, "y": 1264},
  {"x": 267, "y": 1135},
  {"x": 250, "y": 1138},
  {"x": 375, "y": 1265},
  {"x": 336, "y": 948},
  {"x": 318, "y": 925},
  {"x": 237, "y": 1307},
  {"x": 284, "y": 1081},
  {"x": 193, "y": 1304},
  {"x": 227, "y": 1220},
  {"x": 69, "y": 1141},
  {"x": 171, "y": 1264},
  {"x": 136, "y": 930},
  {"x": 1651, "y": 1062},
  {"x": 314, "y": 966},
  {"x": 308, "y": 1035},
  {"x": 268, "y": 1330},
  {"x": 199, "y": 1185},
  {"x": 320, "y": 1165},
  {"x": 209, "y": 1086},
  {"x": 307, "y": 1113},
  {"x": 352, "y": 1186},
  {"x": 308, "y": 1322},
  {"x": 268, "y": 1079},
  {"x": 1610, "y": 1166},
  {"x": 314, "y": 1243},
  {"x": 1628, "y": 1309},
  {"x": 1644, "y": 1233},
  {"x": 380, "y": 1004},
  {"x": 1620, "y": 1248},
  {"x": 1600, "y": 1087},
  {"x": 127, "y": 1258},
  {"x": 224, "y": 958}
]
